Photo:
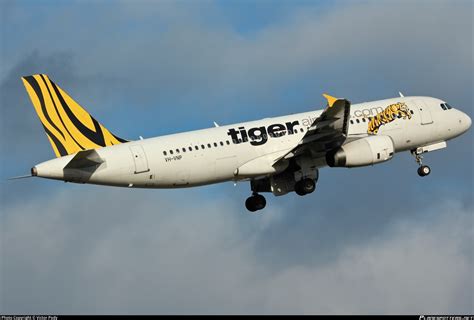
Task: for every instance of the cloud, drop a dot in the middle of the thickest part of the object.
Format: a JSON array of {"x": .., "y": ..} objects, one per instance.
[
  {"x": 405, "y": 271},
  {"x": 87, "y": 254}
]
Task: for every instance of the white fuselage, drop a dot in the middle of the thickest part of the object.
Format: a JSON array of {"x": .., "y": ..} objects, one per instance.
[{"x": 213, "y": 155}]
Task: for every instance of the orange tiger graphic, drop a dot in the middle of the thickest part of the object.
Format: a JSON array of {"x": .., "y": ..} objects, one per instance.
[{"x": 393, "y": 111}]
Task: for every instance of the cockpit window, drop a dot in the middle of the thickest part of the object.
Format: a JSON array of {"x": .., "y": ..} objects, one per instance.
[
  {"x": 448, "y": 106},
  {"x": 443, "y": 106}
]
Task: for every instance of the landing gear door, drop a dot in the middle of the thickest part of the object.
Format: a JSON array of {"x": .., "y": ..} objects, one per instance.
[
  {"x": 139, "y": 158},
  {"x": 425, "y": 114}
]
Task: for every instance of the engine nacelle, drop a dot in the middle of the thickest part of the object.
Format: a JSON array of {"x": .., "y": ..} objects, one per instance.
[{"x": 363, "y": 152}]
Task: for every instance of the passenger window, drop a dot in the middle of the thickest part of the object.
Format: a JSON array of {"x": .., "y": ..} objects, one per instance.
[
  {"x": 222, "y": 143},
  {"x": 352, "y": 121},
  {"x": 202, "y": 146},
  {"x": 177, "y": 150},
  {"x": 190, "y": 149},
  {"x": 208, "y": 145},
  {"x": 184, "y": 149},
  {"x": 227, "y": 141},
  {"x": 363, "y": 119},
  {"x": 196, "y": 147},
  {"x": 357, "y": 120},
  {"x": 171, "y": 151},
  {"x": 164, "y": 153},
  {"x": 215, "y": 144},
  {"x": 411, "y": 111}
]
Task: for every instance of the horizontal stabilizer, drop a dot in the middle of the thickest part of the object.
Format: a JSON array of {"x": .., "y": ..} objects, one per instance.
[{"x": 84, "y": 159}]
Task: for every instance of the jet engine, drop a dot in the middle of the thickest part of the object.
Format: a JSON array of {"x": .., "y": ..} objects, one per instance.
[{"x": 362, "y": 152}]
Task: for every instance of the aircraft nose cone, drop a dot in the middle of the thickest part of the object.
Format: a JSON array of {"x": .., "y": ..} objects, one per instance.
[
  {"x": 464, "y": 122},
  {"x": 467, "y": 121}
]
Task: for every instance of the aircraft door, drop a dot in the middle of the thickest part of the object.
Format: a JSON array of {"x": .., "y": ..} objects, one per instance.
[
  {"x": 425, "y": 114},
  {"x": 139, "y": 158}
]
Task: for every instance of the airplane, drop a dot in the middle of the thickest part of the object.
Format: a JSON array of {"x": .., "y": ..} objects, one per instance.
[{"x": 276, "y": 155}]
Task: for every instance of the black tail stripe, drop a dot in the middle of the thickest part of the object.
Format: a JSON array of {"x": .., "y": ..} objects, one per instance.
[
  {"x": 95, "y": 137},
  {"x": 118, "y": 138},
  {"x": 98, "y": 130},
  {"x": 34, "y": 84},
  {"x": 62, "y": 151},
  {"x": 59, "y": 115}
]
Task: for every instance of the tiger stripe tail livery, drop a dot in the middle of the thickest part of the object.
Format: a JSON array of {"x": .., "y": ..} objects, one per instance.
[{"x": 68, "y": 126}]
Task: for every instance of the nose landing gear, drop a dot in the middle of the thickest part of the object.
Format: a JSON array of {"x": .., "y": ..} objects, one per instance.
[{"x": 423, "y": 170}]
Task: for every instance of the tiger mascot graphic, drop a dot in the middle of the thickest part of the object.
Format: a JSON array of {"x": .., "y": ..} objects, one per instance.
[{"x": 393, "y": 111}]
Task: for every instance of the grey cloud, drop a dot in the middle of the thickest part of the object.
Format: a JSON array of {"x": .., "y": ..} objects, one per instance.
[{"x": 89, "y": 254}]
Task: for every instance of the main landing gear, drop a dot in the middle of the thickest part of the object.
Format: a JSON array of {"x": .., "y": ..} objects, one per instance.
[
  {"x": 255, "y": 202},
  {"x": 305, "y": 186},
  {"x": 423, "y": 170}
]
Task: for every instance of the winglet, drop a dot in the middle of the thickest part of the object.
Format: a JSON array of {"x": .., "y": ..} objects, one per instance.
[{"x": 330, "y": 99}]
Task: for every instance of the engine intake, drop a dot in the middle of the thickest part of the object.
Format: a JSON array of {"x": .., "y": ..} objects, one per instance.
[{"x": 362, "y": 152}]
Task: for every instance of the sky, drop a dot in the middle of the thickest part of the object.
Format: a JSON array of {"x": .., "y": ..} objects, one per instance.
[{"x": 377, "y": 240}]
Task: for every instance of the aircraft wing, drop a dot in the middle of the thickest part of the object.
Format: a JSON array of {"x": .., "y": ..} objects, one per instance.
[{"x": 327, "y": 132}]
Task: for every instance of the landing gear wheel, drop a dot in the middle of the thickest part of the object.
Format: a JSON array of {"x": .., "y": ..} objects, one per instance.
[
  {"x": 305, "y": 186},
  {"x": 424, "y": 171},
  {"x": 255, "y": 202}
]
